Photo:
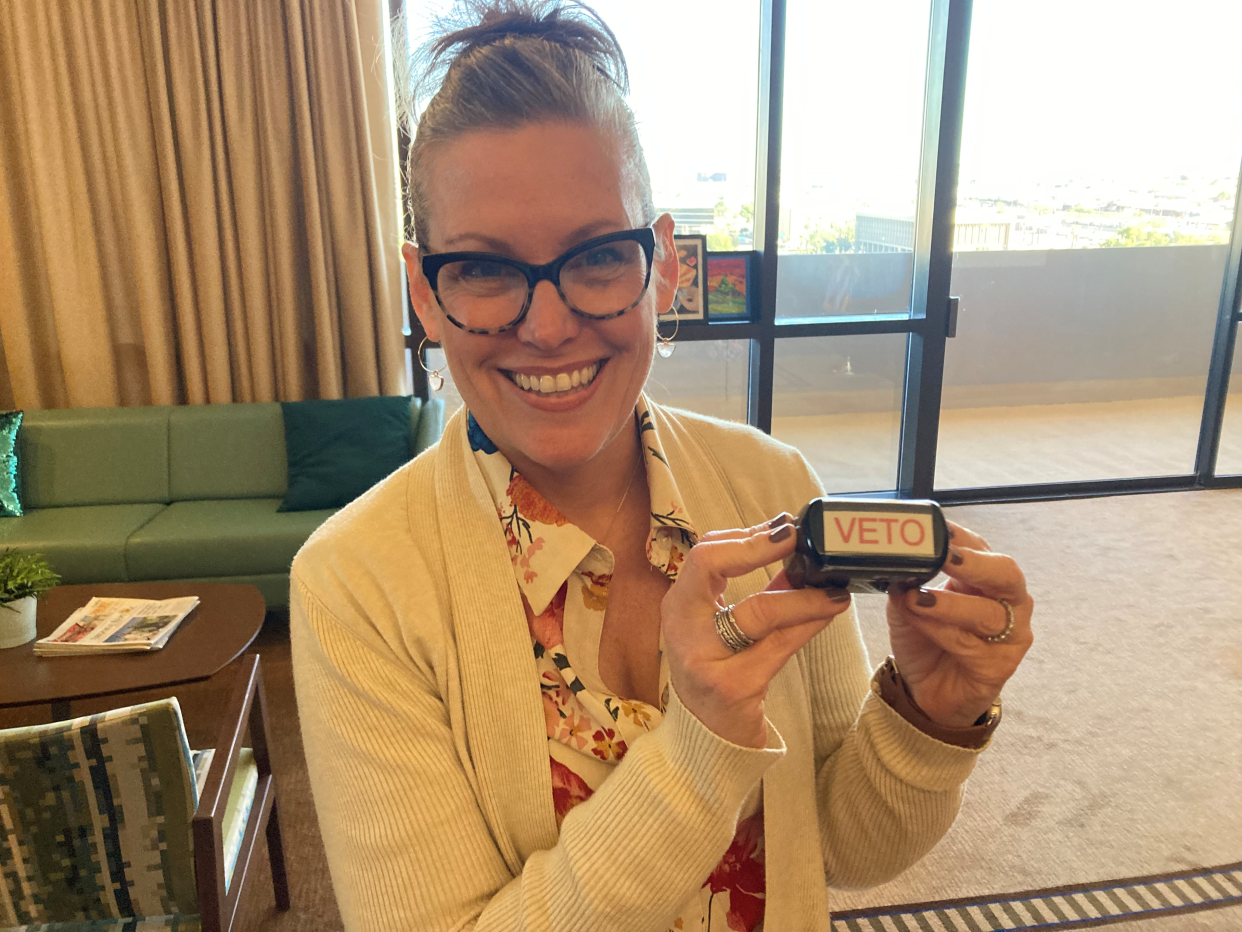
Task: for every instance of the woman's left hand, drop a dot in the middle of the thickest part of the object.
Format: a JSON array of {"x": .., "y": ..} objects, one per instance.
[{"x": 953, "y": 674}]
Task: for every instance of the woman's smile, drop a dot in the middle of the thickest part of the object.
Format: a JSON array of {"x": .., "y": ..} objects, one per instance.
[
  {"x": 557, "y": 382},
  {"x": 556, "y": 388}
]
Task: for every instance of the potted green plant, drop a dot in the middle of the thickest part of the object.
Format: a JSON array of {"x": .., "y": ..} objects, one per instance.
[{"x": 24, "y": 578}]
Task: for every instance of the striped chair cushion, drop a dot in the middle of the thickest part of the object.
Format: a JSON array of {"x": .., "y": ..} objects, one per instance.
[
  {"x": 95, "y": 815},
  {"x": 147, "y": 924}
]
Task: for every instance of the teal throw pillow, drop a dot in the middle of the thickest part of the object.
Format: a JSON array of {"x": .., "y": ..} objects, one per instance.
[
  {"x": 338, "y": 449},
  {"x": 10, "y": 472}
]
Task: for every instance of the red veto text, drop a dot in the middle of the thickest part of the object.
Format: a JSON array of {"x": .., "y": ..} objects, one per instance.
[{"x": 879, "y": 532}]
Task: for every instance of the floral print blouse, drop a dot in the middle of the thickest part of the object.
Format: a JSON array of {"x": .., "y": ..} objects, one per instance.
[{"x": 564, "y": 576}]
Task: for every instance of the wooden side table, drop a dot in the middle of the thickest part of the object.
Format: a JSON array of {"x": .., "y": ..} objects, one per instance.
[{"x": 227, "y": 619}]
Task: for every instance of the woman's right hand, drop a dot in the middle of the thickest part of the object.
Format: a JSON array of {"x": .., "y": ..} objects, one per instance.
[{"x": 724, "y": 690}]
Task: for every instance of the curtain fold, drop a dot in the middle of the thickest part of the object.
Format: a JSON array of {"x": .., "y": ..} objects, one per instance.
[{"x": 197, "y": 203}]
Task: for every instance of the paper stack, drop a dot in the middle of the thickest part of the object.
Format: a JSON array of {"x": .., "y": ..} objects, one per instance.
[{"x": 105, "y": 626}]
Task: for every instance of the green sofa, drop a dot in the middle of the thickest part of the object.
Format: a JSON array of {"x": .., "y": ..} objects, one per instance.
[{"x": 169, "y": 493}]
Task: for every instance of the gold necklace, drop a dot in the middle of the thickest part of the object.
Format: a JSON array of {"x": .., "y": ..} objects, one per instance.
[{"x": 628, "y": 486}]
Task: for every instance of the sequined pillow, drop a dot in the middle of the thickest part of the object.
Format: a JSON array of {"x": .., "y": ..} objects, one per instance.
[{"x": 10, "y": 475}]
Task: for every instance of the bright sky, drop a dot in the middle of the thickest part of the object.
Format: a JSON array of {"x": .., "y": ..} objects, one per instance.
[
  {"x": 1104, "y": 87},
  {"x": 1132, "y": 90}
]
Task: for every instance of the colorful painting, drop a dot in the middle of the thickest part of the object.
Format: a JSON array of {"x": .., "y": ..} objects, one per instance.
[
  {"x": 726, "y": 287},
  {"x": 691, "y": 288}
]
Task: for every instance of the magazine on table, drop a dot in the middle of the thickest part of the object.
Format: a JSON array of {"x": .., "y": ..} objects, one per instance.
[{"x": 106, "y": 626}]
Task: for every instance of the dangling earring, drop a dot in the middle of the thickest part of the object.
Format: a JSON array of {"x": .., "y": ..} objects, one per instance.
[
  {"x": 665, "y": 347},
  {"x": 434, "y": 379}
]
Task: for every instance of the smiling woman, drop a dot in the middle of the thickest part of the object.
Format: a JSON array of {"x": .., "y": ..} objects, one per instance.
[
  {"x": 549, "y": 677},
  {"x": 521, "y": 295}
]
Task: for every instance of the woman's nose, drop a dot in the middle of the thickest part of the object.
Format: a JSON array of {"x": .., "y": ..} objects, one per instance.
[{"x": 549, "y": 322}]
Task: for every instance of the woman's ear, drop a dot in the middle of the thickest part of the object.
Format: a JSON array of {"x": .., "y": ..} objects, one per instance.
[
  {"x": 421, "y": 297},
  {"x": 665, "y": 264}
]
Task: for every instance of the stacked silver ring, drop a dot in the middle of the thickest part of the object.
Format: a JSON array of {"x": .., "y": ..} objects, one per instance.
[
  {"x": 734, "y": 637},
  {"x": 1009, "y": 622}
]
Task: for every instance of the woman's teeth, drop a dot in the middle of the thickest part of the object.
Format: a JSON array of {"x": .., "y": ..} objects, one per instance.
[{"x": 561, "y": 382}]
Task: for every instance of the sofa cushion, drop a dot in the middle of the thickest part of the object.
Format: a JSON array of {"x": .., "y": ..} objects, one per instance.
[
  {"x": 84, "y": 543},
  {"x": 226, "y": 451},
  {"x": 94, "y": 456},
  {"x": 339, "y": 448},
  {"x": 229, "y": 537}
]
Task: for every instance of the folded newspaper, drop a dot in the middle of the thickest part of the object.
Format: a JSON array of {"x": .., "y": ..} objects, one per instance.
[{"x": 105, "y": 626}]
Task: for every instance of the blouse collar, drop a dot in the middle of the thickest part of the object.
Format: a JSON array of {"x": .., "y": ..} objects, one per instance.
[{"x": 545, "y": 548}]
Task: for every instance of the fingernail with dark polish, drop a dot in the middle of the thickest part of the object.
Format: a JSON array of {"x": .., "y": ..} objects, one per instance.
[
  {"x": 838, "y": 595},
  {"x": 954, "y": 557},
  {"x": 780, "y": 533},
  {"x": 783, "y": 518},
  {"x": 950, "y": 530},
  {"x": 925, "y": 599}
]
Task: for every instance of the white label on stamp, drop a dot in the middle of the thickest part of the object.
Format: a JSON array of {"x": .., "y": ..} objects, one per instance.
[{"x": 878, "y": 532}]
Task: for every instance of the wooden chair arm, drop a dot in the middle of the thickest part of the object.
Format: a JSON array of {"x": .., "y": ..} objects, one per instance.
[
  {"x": 217, "y": 907},
  {"x": 215, "y": 796}
]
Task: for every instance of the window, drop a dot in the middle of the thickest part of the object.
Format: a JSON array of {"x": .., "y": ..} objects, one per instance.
[
  {"x": 1093, "y": 216},
  {"x": 838, "y": 400},
  {"x": 853, "y": 117},
  {"x": 1229, "y": 457},
  {"x": 1099, "y": 153}
]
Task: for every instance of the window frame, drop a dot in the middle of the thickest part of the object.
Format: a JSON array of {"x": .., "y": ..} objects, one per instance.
[{"x": 932, "y": 315}]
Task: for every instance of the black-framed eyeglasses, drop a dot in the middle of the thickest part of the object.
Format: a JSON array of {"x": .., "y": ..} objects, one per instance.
[{"x": 601, "y": 278}]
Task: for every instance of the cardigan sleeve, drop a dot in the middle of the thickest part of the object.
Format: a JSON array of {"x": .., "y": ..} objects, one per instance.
[
  {"x": 408, "y": 845},
  {"x": 887, "y": 792}
]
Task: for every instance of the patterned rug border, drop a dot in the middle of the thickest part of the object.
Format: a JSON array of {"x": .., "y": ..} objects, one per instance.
[{"x": 911, "y": 913}]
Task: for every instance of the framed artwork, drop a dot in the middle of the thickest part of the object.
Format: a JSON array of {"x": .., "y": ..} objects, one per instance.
[
  {"x": 728, "y": 278},
  {"x": 691, "y": 282}
]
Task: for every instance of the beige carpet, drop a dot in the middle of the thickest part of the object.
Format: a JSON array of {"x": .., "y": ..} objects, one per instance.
[{"x": 1121, "y": 749}]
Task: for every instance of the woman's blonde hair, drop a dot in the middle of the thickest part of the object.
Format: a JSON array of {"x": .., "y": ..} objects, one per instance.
[{"x": 503, "y": 64}]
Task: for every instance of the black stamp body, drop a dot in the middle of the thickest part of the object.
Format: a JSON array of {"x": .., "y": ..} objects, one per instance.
[{"x": 868, "y": 545}]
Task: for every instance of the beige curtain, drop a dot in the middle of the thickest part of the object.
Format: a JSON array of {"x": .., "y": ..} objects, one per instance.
[{"x": 198, "y": 202}]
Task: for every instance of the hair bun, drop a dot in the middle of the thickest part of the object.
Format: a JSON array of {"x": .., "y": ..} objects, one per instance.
[{"x": 475, "y": 24}]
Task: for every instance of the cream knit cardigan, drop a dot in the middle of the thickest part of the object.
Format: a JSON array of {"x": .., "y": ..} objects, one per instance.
[{"x": 427, "y": 749}]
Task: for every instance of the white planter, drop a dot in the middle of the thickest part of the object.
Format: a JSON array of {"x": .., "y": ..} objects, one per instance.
[{"x": 17, "y": 622}]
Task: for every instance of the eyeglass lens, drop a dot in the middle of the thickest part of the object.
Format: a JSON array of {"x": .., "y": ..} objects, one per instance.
[{"x": 486, "y": 294}]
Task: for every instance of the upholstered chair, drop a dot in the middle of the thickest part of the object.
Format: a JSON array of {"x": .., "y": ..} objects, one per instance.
[{"x": 110, "y": 822}]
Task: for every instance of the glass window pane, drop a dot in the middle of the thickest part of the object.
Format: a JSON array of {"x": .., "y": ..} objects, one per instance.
[
  {"x": 696, "y": 102},
  {"x": 707, "y": 376},
  {"x": 1229, "y": 456},
  {"x": 853, "y": 118},
  {"x": 1092, "y": 221},
  {"x": 838, "y": 400}
]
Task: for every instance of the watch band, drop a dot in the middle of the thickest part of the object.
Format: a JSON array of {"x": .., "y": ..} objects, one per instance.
[{"x": 891, "y": 687}]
